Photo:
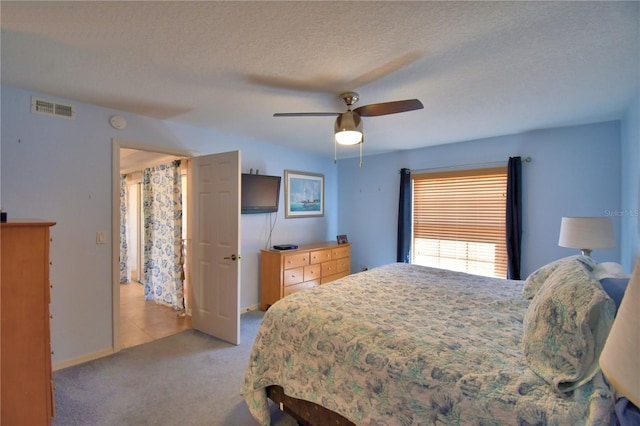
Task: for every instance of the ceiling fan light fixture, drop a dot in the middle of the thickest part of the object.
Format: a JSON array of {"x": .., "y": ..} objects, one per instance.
[
  {"x": 348, "y": 137},
  {"x": 348, "y": 129}
]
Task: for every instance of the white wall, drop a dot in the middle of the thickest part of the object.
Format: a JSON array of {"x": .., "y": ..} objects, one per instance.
[
  {"x": 60, "y": 170},
  {"x": 575, "y": 171}
]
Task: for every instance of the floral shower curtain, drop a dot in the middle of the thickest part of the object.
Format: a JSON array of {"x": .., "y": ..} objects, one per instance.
[
  {"x": 124, "y": 268},
  {"x": 162, "y": 210}
]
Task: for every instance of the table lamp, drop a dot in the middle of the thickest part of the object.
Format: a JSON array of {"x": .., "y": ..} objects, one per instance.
[{"x": 586, "y": 233}]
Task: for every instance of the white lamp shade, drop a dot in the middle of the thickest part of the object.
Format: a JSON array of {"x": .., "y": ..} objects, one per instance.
[
  {"x": 620, "y": 358},
  {"x": 586, "y": 233}
]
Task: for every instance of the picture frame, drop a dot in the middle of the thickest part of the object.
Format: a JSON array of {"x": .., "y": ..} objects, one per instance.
[
  {"x": 303, "y": 194},
  {"x": 342, "y": 239}
]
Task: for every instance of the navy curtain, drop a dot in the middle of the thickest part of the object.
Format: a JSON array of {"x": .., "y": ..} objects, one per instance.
[
  {"x": 404, "y": 217},
  {"x": 514, "y": 217}
]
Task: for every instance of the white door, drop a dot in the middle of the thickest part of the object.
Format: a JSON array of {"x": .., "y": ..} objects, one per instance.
[{"x": 215, "y": 237}]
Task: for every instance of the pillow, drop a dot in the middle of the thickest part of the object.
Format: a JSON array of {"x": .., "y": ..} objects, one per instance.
[
  {"x": 615, "y": 288},
  {"x": 536, "y": 279},
  {"x": 626, "y": 413},
  {"x": 608, "y": 270},
  {"x": 566, "y": 326}
]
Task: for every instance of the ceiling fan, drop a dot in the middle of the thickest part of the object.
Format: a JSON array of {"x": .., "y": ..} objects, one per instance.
[{"x": 348, "y": 127}]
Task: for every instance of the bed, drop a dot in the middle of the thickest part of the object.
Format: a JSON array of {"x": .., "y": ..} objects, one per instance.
[{"x": 405, "y": 344}]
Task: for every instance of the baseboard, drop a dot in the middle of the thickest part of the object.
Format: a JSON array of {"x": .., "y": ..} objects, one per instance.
[
  {"x": 81, "y": 359},
  {"x": 109, "y": 351},
  {"x": 250, "y": 308}
]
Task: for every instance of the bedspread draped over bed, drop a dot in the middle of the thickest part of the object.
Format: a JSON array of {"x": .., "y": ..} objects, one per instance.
[{"x": 406, "y": 344}]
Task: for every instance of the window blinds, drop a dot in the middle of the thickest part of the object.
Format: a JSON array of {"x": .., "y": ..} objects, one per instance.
[{"x": 459, "y": 220}]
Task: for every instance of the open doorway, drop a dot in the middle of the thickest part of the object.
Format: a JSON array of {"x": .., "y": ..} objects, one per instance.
[
  {"x": 142, "y": 320},
  {"x": 213, "y": 239}
]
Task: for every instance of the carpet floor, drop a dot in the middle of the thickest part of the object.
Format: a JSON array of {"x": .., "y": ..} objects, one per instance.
[{"x": 189, "y": 378}]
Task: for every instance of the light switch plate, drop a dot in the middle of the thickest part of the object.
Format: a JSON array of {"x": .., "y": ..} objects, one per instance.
[{"x": 100, "y": 237}]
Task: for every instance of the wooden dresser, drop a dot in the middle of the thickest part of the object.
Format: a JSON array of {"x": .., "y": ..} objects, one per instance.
[
  {"x": 26, "y": 387},
  {"x": 287, "y": 271}
]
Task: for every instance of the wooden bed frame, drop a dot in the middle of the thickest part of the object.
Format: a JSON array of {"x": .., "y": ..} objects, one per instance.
[{"x": 306, "y": 413}]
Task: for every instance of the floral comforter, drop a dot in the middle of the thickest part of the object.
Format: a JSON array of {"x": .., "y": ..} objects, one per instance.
[{"x": 405, "y": 344}]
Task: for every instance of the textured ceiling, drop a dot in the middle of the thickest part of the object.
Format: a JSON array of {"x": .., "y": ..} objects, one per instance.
[{"x": 481, "y": 69}]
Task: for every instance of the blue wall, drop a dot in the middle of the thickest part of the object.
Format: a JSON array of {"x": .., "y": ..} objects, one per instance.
[
  {"x": 574, "y": 171},
  {"x": 629, "y": 215},
  {"x": 60, "y": 170}
]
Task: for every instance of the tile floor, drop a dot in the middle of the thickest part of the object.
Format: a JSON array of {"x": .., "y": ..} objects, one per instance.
[{"x": 143, "y": 321}]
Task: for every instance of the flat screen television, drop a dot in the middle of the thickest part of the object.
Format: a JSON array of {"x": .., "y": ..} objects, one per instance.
[{"x": 260, "y": 193}]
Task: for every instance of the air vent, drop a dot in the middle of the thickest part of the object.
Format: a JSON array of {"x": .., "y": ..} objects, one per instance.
[{"x": 42, "y": 106}]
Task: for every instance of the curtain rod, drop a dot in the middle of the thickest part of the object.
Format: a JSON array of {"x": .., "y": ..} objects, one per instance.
[{"x": 489, "y": 164}]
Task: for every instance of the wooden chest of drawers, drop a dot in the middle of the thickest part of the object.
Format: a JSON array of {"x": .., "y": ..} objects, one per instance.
[
  {"x": 26, "y": 395},
  {"x": 285, "y": 272}
]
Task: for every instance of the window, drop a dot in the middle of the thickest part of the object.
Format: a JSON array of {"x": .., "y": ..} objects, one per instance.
[{"x": 459, "y": 220}]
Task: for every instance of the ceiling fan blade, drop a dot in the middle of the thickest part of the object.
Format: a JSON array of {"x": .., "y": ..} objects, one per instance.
[
  {"x": 386, "y": 108},
  {"x": 306, "y": 114}
]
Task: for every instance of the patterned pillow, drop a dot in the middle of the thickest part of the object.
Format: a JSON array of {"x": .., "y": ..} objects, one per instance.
[
  {"x": 536, "y": 279},
  {"x": 565, "y": 327}
]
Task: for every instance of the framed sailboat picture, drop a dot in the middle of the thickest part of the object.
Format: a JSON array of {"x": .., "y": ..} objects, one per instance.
[{"x": 303, "y": 194}]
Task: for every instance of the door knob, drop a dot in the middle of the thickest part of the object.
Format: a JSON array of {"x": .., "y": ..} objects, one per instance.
[{"x": 232, "y": 257}]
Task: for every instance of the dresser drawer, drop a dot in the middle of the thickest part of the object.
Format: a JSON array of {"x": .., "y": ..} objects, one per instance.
[
  {"x": 293, "y": 276},
  {"x": 312, "y": 272},
  {"x": 329, "y": 268},
  {"x": 320, "y": 256},
  {"x": 340, "y": 252},
  {"x": 295, "y": 260},
  {"x": 343, "y": 264},
  {"x": 302, "y": 286}
]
